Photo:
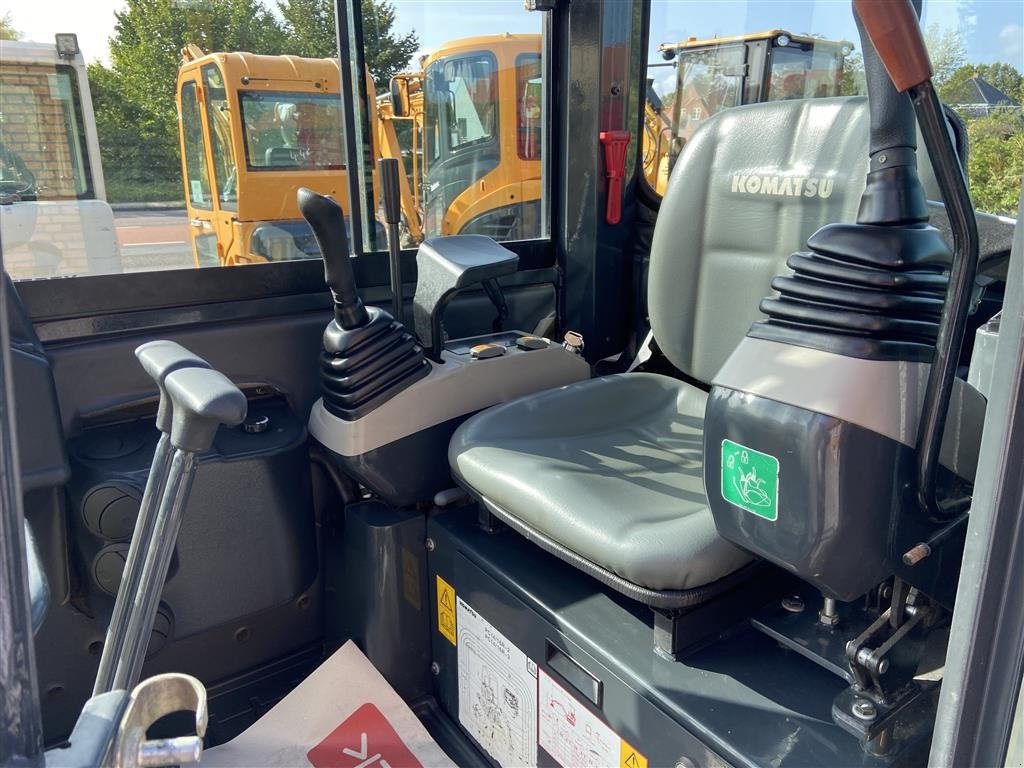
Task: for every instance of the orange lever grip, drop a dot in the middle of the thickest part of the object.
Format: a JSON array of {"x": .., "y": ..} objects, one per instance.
[{"x": 894, "y": 30}]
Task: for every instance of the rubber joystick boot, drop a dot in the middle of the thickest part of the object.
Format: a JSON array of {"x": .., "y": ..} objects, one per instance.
[{"x": 368, "y": 357}]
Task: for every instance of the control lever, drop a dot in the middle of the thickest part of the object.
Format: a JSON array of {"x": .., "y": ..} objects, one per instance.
[
  {"x": 895, "y": 32},
  {"x": 368, "y": 356},
  {"x": 159, "y": 359},
  {"x": 497, "y": 297},
  {"x": 327, "y": 221},
  {"x": 201, "y": 399},
  {"x": 389, "y": 171}
]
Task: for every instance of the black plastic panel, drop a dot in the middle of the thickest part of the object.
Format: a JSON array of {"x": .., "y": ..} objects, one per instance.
[
  {"x": 251, "y": 495},
  {"x": 243, "y": 585},
  {"x": 408, "y": 470},
  {"x": 377, "y": 583},
  {"x": 41, "y": 455},
  {"x": 845, "y": 510},
  {"x": 742, "y": 700}
]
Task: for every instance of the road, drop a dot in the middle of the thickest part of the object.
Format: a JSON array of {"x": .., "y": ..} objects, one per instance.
[{"x": 153, "y": 239}]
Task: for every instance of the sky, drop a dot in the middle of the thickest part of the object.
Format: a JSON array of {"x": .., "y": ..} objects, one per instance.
[{"x": 993, "y": 30}]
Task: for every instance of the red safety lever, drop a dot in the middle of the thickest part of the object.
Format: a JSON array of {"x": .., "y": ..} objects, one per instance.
[{"x": 615, "y": 144}]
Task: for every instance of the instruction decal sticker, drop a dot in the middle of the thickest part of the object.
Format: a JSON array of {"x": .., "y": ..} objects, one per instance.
[
  {"x": 446, "y": 609},
  {"x": 575, "y": 736},
  {"x": 750, "y": 480},
  {"x": 497, "y": 691}
]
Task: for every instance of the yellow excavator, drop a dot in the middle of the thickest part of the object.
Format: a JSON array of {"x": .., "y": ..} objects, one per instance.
[
  {"x": 724, "y": 72},
  {"x": 476, "y": 128},
  {"x": 253, "y": 131},
  {"x": 467, "y": 128}
]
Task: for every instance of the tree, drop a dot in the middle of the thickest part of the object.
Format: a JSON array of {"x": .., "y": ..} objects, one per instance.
[
  {"x": 947, "y": 52},
  {"x": 310, "y": 27},
  {"x": 853, "y": 83},
  {"x": 136, "y": 115},
  {"x": 1005, "y": 77},
  {"x": 7, "y": 30},
  {"x": 996, "y": 161},
  {"x": 386, "y": 53}
]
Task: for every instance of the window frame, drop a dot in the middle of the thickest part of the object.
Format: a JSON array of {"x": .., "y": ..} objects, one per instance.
[{"x": 92, "y": 305}]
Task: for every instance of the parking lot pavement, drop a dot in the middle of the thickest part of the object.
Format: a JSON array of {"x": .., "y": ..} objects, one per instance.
[{"x": 153, "y": 239}]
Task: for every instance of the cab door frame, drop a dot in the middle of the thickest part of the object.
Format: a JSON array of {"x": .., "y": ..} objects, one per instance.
[
  {"x": 224, "y": 219},
  {"x": 200, "y": 215}
]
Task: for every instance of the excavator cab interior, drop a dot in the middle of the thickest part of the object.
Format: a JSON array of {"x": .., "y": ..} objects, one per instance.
[{"x": 729, "y": 478}]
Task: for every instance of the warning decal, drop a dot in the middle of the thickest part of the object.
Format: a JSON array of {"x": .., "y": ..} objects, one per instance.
[
  {"x": 629, "y": 757},
  {"x": 363, "y": 740},
  {"x": 497, "y": 691},
  {"x": 446, "y": 609},
  {"x": 574, "y": 736}
]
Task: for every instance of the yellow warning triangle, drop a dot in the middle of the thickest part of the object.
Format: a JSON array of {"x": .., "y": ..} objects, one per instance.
[
  {"x": 446, "y": 599},
  {"x": 631, "y": 761}
]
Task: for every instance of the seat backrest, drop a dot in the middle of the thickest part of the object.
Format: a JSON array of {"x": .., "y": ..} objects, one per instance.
[
  {"x": 281, "y": 156},
  {"x": 747, "y": 190}
]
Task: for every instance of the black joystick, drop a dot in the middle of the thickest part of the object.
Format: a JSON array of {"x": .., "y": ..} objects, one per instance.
[
  {"x": 368, "y": 357},
  {"x": 873, "y": 289},
  {"x": 327, "y": 221},
  {"x": 882, "y": 288}
]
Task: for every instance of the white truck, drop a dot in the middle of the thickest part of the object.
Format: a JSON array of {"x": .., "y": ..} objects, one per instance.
[{"x": 54, "y": 218}]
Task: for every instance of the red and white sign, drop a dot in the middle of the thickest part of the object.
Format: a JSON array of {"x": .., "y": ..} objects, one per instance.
[
  {"x": 344, "y": 715},
  {"x": 364, "y": 740}
]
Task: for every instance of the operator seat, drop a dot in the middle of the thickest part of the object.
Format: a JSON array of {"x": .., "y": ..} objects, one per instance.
[{"x": 607, "y": 474}]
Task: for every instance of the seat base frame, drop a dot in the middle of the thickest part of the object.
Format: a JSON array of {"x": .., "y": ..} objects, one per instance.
[{"x": 684, "y": 620}]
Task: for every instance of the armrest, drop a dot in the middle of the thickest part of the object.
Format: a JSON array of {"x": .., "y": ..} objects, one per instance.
[{"x": 446, "y": 265}]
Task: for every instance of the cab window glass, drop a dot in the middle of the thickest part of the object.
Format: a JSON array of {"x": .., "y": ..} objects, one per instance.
[
  {"x": 710, "y": 79},
  {"x": 119, "y": 195},
  {"x": 196, "y": 171},
  {"x": 125, "y": 150},
  {"x": 218, "y": 115},
  {"x": 471, "y": 118},
  {"x": 462, "y": 97},
  {"x": 42, "y": 154},
  {"x": 807, "y": 70},
  {"x": 292, "y": 130},
  {"x": 176, "y": 141},
  {"x": 529, "y": 106},
  {"x": 704, "y": 58}
]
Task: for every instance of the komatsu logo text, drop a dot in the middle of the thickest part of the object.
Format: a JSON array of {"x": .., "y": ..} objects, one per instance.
[{"x": 782, "y": 186}]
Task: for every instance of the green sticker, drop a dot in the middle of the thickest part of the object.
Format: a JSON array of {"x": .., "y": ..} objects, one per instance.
[{"x": 750, "y": 479}]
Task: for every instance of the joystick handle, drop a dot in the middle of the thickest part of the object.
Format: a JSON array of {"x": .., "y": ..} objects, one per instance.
[
  {"x": 327, "y": 221},
  {"x": 893, "y": 194}
]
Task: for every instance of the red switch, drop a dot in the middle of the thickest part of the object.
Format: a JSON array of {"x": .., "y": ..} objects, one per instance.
[{"x": 615, "y": 144}]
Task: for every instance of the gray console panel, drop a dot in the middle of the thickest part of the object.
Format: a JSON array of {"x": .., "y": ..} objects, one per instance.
[{"x": 457, "y": 387}]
